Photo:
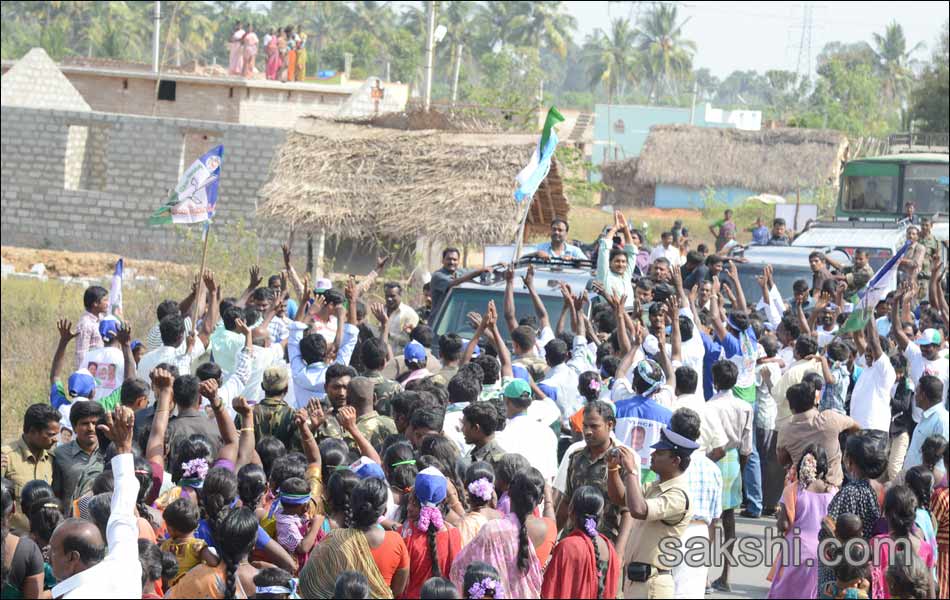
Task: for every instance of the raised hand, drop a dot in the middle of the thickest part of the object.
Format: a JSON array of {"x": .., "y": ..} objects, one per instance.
[
  {"x": 119, "y": 428},
  {"x": 315, "y": 413},
  {"x": 346, "y": 417},
  {"x": 510, "y": 273},
  {"x": 210, "y": 281},
  {"x": 580, "y": 300},
  {"x": 474, "y": 319},
  {"x": 285, "y": 249},
  {"x": 566, "y": 293},
  {"x": 379, "y": 311},
  {"x": 124, "y": 335},
  {"x": 673, "y": 307},
  {"x": 161, "y": 379},
  {"x": 349, "y": 290},
  {"x": 242, "y": 408},
  {"x": 254, "y": 277},
  {"x": 65, "y": 327},
  {"x": 301, "y": 418},
  {"x": 381, "y": 263},
  {"x": 528, "y": 278},
  {"x": 209, "y": 389}
]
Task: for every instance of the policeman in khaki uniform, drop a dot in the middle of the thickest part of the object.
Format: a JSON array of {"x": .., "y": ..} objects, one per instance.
[{"x": 661, "y": 511}]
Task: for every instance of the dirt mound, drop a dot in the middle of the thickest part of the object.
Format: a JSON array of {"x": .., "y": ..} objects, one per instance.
[{"x": 60, "y": 263}]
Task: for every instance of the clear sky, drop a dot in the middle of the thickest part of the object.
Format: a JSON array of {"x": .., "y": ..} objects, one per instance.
[{"x": 759, "y": 36}]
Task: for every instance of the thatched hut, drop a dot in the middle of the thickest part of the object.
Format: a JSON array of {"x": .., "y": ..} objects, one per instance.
[
  {"x": 620, "y": 176},
  {"x": 363, "y": 182},
  {"x": 684, "y": 161}
]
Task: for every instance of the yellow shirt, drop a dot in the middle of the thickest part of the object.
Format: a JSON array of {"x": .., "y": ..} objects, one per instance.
[
  {"x": 666, "y": 503},
  {"x": 187, "y": 551}
]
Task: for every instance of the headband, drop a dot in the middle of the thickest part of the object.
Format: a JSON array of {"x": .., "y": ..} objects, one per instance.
[
  {"x": 294, "y": 498},
  {"x": 411, "y": 461},
  {"x": 732, "y": 323},
  {"x": 290, "y": 589},
  {"x": 643, "y": 369}
]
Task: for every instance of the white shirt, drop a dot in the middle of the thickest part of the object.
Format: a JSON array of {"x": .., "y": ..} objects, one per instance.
[
  {"x": 735, "y": 415},
  {"x": 711, "y": 433},
  {"x": 166, "y": 354},
  {"x": 107, "y": 365},
  {"x": 936, "y": 421},
  {"x": 400, "y": 318},
  {"x": 261, "y": 359},
  {"x": 309, "y": 380},
  {"x": 544, "y": 336},
  {"x": 671, "y": 254},
  {"x": 871, "y": 399},
  {"x": 564, "y": 379},
  {"x": 536, "y": 442},
  {"x": 545, "y": 412},
  {"x": 233, "y": 384},
  {"x": 119, "y": 575},
  {"x": 918, "y": 366},
  {"x": 452, "y": 426},
  {"x": 153, "y": 340}
]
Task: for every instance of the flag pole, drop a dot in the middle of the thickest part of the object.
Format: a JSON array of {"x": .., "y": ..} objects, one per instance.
[
  {"x": 201, "y": 274},
  {"x": 519, "y": 241}
]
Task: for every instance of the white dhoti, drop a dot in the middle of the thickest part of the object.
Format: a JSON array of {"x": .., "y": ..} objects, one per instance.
[{"x": 690, "y": 582}]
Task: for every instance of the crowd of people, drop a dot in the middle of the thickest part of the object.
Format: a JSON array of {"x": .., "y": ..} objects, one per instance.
[
  {"x": 285, "y": 52},
  {"x": 296, "y": 440}
]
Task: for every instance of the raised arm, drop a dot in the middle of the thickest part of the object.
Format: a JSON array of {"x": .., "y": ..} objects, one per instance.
[
  {"x": 479, "y": 331},
  {"x": 740, "y": 295},
  {"x": 504, "y": 356},
  {"x": 676, "y": 339},
  {"x": 874, "y": 342},
  {"x": 254, "y": 280},
  {"x": 303, "y": 419},
  {"x": 663, "y": 360},
  {"x": 623, "y": 337},
  {"x": 367, "y": 282},
  {"x": 715, "y": 316},
  {"x": 185, "y": 305},
  {"x": 229, "y": 435},
  {"x": 539, "y": 309},
  {"x": 802, "y": 321},
  {"x": 289, "y": 267},
  {"x": 346, "y": 416},
  {"x": 246, "y": 451},
  {"x": 379, "y": 311},
  {"x": 473, "y": 274},
  {"x": 66, "y": 335},
  {"x": 511, "y": 319},
  {"x": 124, "y": 336},
  {"x": 899, "y": 336},
  {"x": 822, "y": 302},
  {"x": 162, "y": 382},
  {"x": 569, "y": 305},
  {"x": 211, "y": 319},
  {"x": 625, "y": 229}
]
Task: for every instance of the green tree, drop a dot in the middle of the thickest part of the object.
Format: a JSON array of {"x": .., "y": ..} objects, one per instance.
[
  {"x": 930, "y": 106},
  {"x": 611, "y": 59},
  {"x": 893, "y": 62},
  {"x": 118, "y": 30},
  {"x": 668, "y": 57}
]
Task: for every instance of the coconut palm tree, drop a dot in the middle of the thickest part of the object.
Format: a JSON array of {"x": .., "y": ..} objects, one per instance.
[
  {"x": 457, "y": 16},
  {"x": 667, "y": 55},
  {"x": 119, "y": 30},
  {"x": 894, "y": 61},
  {"x": 548, "y": 26},
  {"x": 611, "y": 59}
]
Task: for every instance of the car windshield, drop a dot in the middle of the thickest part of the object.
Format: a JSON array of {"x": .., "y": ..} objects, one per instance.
[
  {"x": 462, "y": 301},
  {"x": 784, "y": 276},
  {"x": 926, "y": 186}
]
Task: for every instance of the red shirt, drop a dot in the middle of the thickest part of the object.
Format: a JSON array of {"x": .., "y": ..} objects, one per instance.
[{"x": 447, "y": 543}]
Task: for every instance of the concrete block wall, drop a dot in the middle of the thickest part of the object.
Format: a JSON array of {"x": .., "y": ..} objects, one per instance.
[{"x": 142, "y": 159}]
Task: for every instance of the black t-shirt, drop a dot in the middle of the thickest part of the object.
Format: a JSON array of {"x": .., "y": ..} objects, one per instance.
[{"x": 27, "y": 561}]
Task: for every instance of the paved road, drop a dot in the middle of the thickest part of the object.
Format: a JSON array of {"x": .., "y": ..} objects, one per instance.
[{"x": 746, "y": 582}]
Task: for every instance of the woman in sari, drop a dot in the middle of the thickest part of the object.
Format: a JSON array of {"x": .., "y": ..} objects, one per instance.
[
  {"x": 291, "y": 54},
  {"x": 364, "y": 547},
  {"x": 250, "y": 44},
  {"x": 508, "y": 543},
  {"x": 480, "y": 485},
  {"x": 273, "y": 57},
  {"x": 900, "y": 510},
  {"x": 282, "y": 56},
  {"x": 236, "y": 58},
  {"x": 301, "y": 56},
  {"x": 433, "y": 544}
]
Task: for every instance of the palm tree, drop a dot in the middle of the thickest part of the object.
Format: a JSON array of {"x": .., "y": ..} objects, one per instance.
[
  {"x": 498, "y": 24},
  {"x": 548, "y": 25},
  {"x": 119, "y": 30},
  {"x": 894, "y": 61},
  {"x": 667, "y": 56},
  {"x": 457, "y": 17},
  {"x": 611, "y": 59},
  {"x": 193, "y": 30}
]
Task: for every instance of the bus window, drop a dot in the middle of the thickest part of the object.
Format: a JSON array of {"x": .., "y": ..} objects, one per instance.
[
  {"x": 926, "y": 186},
  {"x": 871, "y": 193}
]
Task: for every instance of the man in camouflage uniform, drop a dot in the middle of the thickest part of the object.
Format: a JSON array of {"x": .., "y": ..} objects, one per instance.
[
  {"x": 523, "y": 341},
  {"x": 373, "y": 354},
  {"x": 374, "y": 426},
  {"x": 272, "y": 415},
  {"x": 588, "y": 466}
]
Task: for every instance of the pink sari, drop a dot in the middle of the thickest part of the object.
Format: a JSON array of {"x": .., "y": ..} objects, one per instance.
[
  {"x": 251, "y": 44},
  {"x": 273, "y": 58},
  {"x": 497, "y": 545},
  {"x": 236, "y": 58}
]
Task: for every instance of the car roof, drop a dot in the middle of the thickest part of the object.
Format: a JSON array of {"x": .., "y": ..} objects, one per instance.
[
  {"x": 792, "y": 256},
  {"x": 890, "y": 238},
  {"x": 545, "y": 281},
  {"x": 910, "y": 157}
]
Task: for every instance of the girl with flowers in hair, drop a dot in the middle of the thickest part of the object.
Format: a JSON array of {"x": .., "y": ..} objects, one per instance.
[
  {"x": 480, "y": 488},
  {"x": 509, "y": 543},
  {"x": 482, "y": 581},
  {"x": 812, "y": 495},
  {"x": 433, "y": 544},
  {"x": 584, "y": 563}
]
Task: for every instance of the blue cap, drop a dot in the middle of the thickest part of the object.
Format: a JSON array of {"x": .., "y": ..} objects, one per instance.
[
  {"x": 670, "y": 440},
  {"x": 292, "y": 308},
  {"x": 366, "y": 468},
  {"x": 476, "y": 352},
  {"x": 108, "y": 327},
  {"x": 430, "y": 487},
  {"x": 136, "y": 344},
  {"x": 414, "y": 352},
  {"x": 81, "y": 384}
]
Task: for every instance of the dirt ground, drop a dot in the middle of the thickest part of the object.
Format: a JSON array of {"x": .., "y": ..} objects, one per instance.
[{"x": 60, "y": 263}]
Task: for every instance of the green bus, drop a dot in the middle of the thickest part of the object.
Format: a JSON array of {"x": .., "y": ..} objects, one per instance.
[{"x": 880, "y": 187}]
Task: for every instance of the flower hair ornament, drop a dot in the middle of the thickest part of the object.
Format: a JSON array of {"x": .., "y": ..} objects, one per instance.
[
  {"x": 594, "y": 385},
  {"x": 429, "y": 513},
  {"x": 486, "y": 588},
  {"x": 481, "y": 488},
  {"x": 809, "y": 470},
  {"x": 193, "y": 473},
  {"x": 590, "y": 526}
]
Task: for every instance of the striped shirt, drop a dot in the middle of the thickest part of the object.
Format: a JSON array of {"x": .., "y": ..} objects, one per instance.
[{"x": 705, "y": 488}]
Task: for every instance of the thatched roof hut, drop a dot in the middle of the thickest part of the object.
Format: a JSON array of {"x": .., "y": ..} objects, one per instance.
[
  {"x": 621, "y": 177},
  {"x": 771, "y": 160},
  {"x": 358, "y": 181}
]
